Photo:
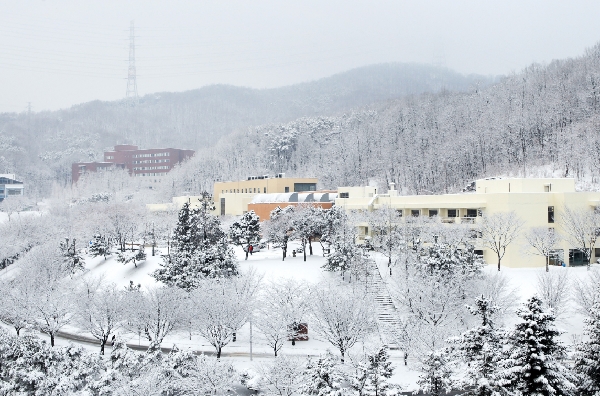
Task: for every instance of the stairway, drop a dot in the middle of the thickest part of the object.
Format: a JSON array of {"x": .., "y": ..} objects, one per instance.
[{"x": 387, "y": 316}]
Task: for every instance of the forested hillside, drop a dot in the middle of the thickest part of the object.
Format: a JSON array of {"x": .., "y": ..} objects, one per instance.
[
  {"x": 40, "y": 147},
  {"x": 541, "y": 121}
]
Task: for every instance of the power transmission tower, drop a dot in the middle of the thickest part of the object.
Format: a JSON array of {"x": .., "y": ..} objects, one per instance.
[{"x": 132, "y": 93}]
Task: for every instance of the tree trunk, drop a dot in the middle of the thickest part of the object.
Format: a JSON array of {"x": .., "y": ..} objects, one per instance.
[
  {"x": 246, "y": 255},
  {"x": 304, "y": 250},
  {"x": 275, "y": 349},
  {"x": 310, "y": 245},
  {"x": 283, "y": 259},
  {"x": 102, "y": 344},
  {"x": 343, "y": 354},
  {"x": 390, "y": 261},
  {"x": 51, "y": 339},
  {"x": 547, "y": 264},
  {"x": 18, "y": 331},
  {"x": 498, "y": 263},
  {"x": 218, "y": 352}
]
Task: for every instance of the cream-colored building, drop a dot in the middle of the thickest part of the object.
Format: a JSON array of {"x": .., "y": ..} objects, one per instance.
[
  {"x": 232, "y": 197},
  {"x": 537, "y": 202}
]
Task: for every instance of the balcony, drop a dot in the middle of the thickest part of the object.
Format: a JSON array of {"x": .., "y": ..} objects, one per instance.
[
  {"x": 467, "y": 220},
  {"x": 449, "y": 220}
]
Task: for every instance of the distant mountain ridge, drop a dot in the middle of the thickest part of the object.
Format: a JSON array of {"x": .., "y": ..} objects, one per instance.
[{"x": 41, "y": 146}]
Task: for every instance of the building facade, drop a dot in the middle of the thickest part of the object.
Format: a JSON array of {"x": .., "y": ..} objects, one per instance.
[
  {"x": 233, "y": 197},
  {"x": 10, "y": 186},
  {"x": 147, "y": 163},
  {"x": 263, "y": 204},
  {"x": 536, "y": 202}
]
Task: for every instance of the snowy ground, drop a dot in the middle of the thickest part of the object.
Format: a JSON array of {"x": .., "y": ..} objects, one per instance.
[{"x": 268, "y": 262}]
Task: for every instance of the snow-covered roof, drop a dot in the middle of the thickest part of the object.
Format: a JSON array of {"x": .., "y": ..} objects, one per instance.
[{"x": 294, "y": 197}]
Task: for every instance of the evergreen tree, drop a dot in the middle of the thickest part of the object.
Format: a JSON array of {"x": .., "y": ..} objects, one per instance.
[
  {"x": 534, "y": 366},
  {"x": 480, "y": 349},
  {"x": 72, "y": 259},
  {"x": 279, "y": 227},
  {"x": 436, "y": 377},
  {"x": 371, "y": 374},
  {"x": 587, "y": 357},
  {"x": 101, "y": 246},
  {"x": 199, "y": 248},
  {"x": 246, "y": 230},
  {"x": 322, "y": 377}
]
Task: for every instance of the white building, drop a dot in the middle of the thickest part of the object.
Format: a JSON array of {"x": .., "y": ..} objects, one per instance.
[{"x": 10, "y": 186}]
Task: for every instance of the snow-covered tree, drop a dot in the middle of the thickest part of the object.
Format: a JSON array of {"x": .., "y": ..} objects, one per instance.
[
  {"x": 73, "y": 260},
  {"x": 278, "y": 228},
  {"x": 156, "y": 312},
  {"x": 246, "y": 230},
  {"x": 48, "y": 277},
  {"x": 542, "y": 241},
  {"x": 370, "y": 375},
  {"x": 133, "y": 256},
  {"x": 386, "y": 225},
  {"x": 101, "y": 310},
  {"x": 101, "y": 245},
  {"x": 585, "y": 293},
  {"x": 587, "y": 356},
  {"x": 322, "y": 377},
  {"x": 280, "y": 310},
  {"x": 499, "y": 230},
  {"x": 581, "y": 230},
  {"x": 199, "y": 249},
  {"x": 480, "y": 351},
  {"x": 341, "y": 236},
  {"x": 342, "y": 315},
  {"x": 17, "y": 303},
  {"x": 281, "y": 377},
  {"x": 436, "y": 377},
  {"x": 534, "y": 365},
  {"x": 221, "y": 308},
  {"x": 305, "y": 225},
  {"x": 554, "y": 289}
]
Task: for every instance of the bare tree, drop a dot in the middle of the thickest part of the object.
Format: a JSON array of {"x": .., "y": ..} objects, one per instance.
[
  {"x": 101, "y": 309},
  {"x": 156, "y": 312},
  {"x": 386, "y": 224},
  {"x": 585, "y": 292},
  {"x": 542, "y": 241},
  {"x": 554, "y": 290},
  {"x": 222, "y": 307},
  {"x": 281, "y": 309},
  {"x": 282, "y": 377},
  {"x": 16, "y": 304},
  {"x": 581, "y": 229},
  {"x": 499, "y": 230},
  {"x": 342, "y": 315}
]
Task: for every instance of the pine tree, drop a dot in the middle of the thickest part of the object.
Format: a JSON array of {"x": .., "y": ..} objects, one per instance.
[
  {"x": 480, "y": 349},
  {"x": 534, "y": 367},
  {"x": 436, "y": 377},
  {"x": 322, "y": 377},
  {"x": 587, "y": 357},
  {"x": 72, "y": 259},
  {"x": 246, "y": 230},
  {"x": 101, "y": 246},
  {"x": 199, "y": 248},
  {"x": 380, "y": 371}
]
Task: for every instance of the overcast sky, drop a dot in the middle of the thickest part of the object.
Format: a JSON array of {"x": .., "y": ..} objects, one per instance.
[{"x": 57, "y": 53}]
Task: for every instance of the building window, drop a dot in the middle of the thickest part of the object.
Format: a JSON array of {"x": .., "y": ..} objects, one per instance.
[
  {"x": 433, "y": 212},
  {"x": 452, "y": 213},
  {"x": 301, "y": 187},
  {"x": 550, "y": 214},
  {"x": 287, "y": 189},
  {"x": 399, "y": 212},
  {"x": 471, "y": 213},
  {"x": 222, "y": 206},
  {"x": 265, "y": 190},
  {"x": 110, "y": 157},
  {"x": 344, "y": 195},
  {"x": 415, "y": 213}
]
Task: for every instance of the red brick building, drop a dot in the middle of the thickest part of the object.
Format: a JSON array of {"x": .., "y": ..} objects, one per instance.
[{"x": 149, "y": 163}]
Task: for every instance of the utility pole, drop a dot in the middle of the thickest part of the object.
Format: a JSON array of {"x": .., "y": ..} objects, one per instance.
[{"x": 132, "y": 93}]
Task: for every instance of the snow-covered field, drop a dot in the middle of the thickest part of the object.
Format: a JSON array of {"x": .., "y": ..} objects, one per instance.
[{"x": 268, "y": 263}]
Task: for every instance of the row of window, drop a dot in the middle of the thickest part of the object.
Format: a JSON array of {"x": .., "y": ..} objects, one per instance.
[
  {"x": 151, "y": 155},
  {"x": 434, "y": 212},
  {"x": 254, "y": 190},
  {"x": 158, "y": 161},
  {"x": 150, "y": 174},
  {"x": 150, "y": 167}
]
